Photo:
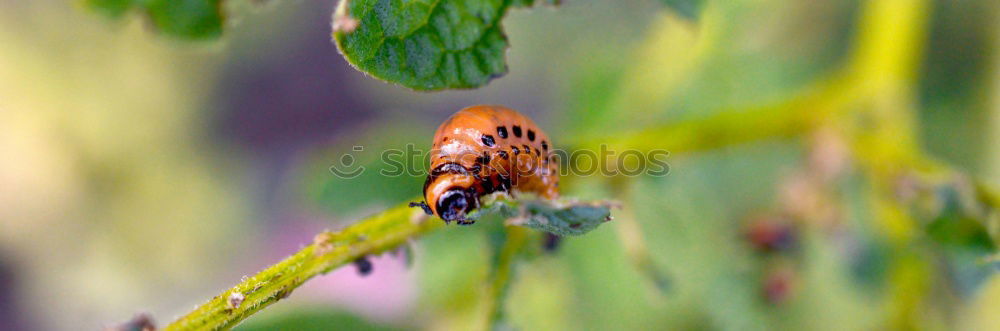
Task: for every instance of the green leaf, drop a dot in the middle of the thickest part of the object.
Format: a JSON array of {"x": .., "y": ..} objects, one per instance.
[
  {"x": 557, "y": 217},
  {"x": 964, "y": 241},
  {"x": 185, "y": 19},
  {"x": 963, "y": 232},
  {"x": 687, "y": 8},
  {"x": 425, "y": 44},
  {"x": 954, "y": 227}
]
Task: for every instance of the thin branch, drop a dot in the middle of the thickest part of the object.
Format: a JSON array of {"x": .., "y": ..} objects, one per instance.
[
  {"x": 501, "y": 274},
  {"x": 375, "y": 235},
  {"x": 787, "y": 118},
  {"x": 329, "y": 250}
]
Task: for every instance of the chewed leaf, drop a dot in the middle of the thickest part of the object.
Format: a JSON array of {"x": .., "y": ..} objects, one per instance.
[
  {"x": 564, "y": 218},
  {"x": 425, "y": 44},
  {"x": 571, "y": 220}
]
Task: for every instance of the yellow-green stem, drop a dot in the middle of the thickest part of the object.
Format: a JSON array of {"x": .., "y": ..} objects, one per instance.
[
  {"x": 329, "y": 250},
  {"x": 516, "y": 238}
]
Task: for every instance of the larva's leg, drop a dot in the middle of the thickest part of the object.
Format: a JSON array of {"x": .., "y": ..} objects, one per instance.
[
  {"x": 550, "y": 242},
  {"x": 427, "y": 209}
]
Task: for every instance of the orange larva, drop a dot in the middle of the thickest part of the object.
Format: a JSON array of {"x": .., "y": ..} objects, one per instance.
[{"x": 485, "y": 149}]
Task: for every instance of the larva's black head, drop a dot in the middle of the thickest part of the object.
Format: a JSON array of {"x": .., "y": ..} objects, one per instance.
[
  {"x": 455, "y": 203},
  {"x": 450, "y": 192}
]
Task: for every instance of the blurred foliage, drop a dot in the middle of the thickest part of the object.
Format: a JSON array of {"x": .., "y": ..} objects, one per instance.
[
  {"x": 341, "y": 197},
  {"x": 313, "y": 318},
  {"x": 111, "y": 190},
  {"x": 686, "y": 8},
  {"x": 186, "y": 19},
  {"x": 952, "y": 228},
  {"x": 956, "y": 88}
]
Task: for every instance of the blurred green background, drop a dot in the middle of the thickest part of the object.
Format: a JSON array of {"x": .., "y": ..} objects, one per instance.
[{"x": 141, "y": 173}]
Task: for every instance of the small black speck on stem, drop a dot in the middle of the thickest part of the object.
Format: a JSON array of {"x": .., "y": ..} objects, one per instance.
[{"x": 364, "y": 265}]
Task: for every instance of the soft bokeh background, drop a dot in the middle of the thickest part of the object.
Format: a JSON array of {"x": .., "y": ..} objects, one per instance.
[{"x": 144, "y": 174}]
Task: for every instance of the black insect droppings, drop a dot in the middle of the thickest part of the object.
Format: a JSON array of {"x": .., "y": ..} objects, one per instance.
[{"x": 364, "y": 265}]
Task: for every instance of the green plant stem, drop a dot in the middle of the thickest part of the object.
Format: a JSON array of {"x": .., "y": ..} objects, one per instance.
[
  {"x": 789, "y": 118},
  {"x": 375, "y": 235},
  {"x": 886, "y": 61},
  {"x": 502, "y": 272},
  {"x": 634, "y": 243},
  {"x": 329, "y": 250}
]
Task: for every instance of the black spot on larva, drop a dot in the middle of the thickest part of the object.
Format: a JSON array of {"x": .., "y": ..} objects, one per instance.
[
  {"x": 526, "y": 149},
  {"x": 502, "y": 132},
  {"x": 531, "y": 135},
  {"x": 504, "y": 183},
  {"x": 515, "y": 150},
  {"x": 488, "y": 141},
  {"x": 503, "y": 155},
  {"x": 545, "y": 145},
  {"x": 484, "y": 159},
  {"x": 487, "y": 185},
  {"x": 517, "y": 131},
  {"x": 538, "y": 152}
]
